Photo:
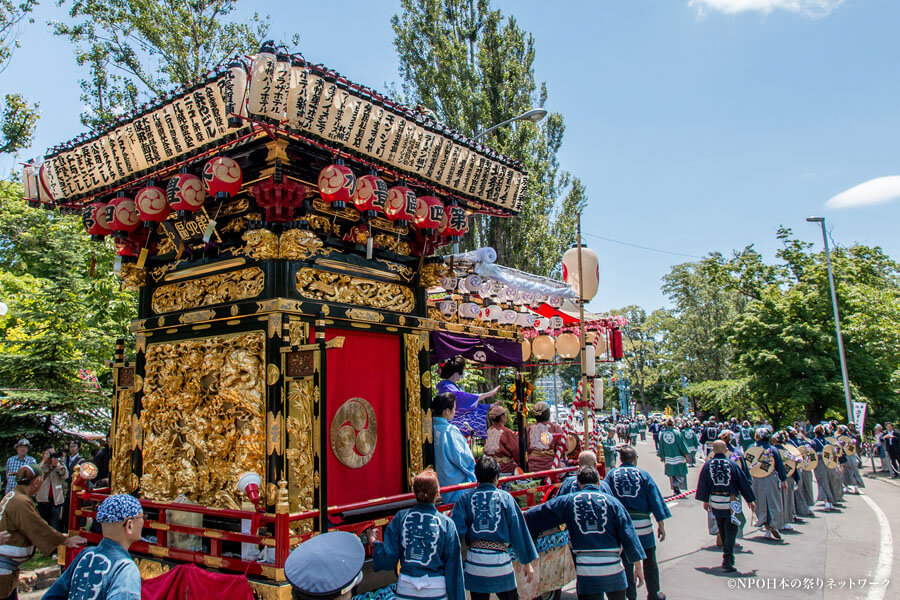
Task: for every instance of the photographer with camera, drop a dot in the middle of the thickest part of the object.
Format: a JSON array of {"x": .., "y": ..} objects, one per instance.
[{"x": 51, "y": 495}]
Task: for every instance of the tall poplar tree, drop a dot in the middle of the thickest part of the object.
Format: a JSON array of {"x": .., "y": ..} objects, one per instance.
[{"x": 473, "y": 68}]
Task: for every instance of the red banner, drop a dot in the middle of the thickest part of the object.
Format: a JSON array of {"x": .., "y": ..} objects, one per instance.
[{"x": 368, "y": 367}]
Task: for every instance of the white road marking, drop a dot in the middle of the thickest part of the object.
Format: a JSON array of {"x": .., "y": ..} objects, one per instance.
[
  {"x": 885, "y": 553},
  {"x": 673, "y": 504}
]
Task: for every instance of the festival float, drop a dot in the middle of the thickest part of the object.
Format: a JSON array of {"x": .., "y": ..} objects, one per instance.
[{"x": 281, "y": 226}]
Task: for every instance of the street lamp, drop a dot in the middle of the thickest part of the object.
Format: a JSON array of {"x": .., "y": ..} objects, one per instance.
[
  {"x": 534, "y": 115},
  {"x": 837, "y": 319}
]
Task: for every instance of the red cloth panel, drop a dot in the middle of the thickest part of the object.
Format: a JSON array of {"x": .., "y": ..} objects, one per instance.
[
  {"x": 190, "y": 582},
  {"x": 369, "y": 366}
]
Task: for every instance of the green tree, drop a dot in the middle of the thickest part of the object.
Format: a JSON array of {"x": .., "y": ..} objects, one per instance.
[
  {"x": 61, "y": 323},
  {"x": 642, "y": 355},
  {"x": 136, "y": 50},
  {"x": 18, "y": 118},
  {"x": 785, "y": 343},
  {"x": 474, "y": 68}
]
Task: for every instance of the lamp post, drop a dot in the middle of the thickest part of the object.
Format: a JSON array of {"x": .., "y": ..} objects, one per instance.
[
  {"x": 534, "y": 115},
  {"x": 837, "y": 319}
]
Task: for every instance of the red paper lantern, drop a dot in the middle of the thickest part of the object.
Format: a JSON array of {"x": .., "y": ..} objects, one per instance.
[
  {"x": 455, "y": 223},
  {"x": 185, "y": 193},
  {"x": 222, "y": 177},
  {"x": 337, "y": 184},
  {"x": 429, "y": 214},
  {"x": 152, "y": 205},
  {"x": 371, "y": 195},
  {"x": 122, "y": 215},
  {"x": 401, "y": 204},
  {"x": 94, "y": 219},
  {"x": 130, "y": 244}
]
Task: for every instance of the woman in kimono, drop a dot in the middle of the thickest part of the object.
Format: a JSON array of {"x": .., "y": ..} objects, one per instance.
[
  {"x": 804, "y": 501},
  {"x": 852, "y": 479},
  {"x": 790, "y": 483},
  {"x": 426, "y": 544},
  {"x": 768, "y": 489},
  {"x": 825, "y": 492},
  {"x": 501, "y": 442},
  {"x": 451, "y": 372},
  {"x": 491, "y": 522},
  {"x": 453, "y": 458},
  {"x": 543, "y": 438}
]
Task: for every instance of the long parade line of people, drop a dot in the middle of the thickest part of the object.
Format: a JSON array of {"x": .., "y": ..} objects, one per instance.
[{"x": 609, "y": 521}]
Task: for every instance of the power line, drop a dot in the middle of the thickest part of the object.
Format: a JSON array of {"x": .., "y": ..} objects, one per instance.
[{"x": 642, "y": 247}]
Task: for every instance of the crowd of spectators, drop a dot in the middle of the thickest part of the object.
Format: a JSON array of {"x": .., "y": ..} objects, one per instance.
[{"x": 58, "y": 466}]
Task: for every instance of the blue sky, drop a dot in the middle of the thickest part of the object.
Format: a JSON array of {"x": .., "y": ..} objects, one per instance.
[{"x": 697, "y": 125}]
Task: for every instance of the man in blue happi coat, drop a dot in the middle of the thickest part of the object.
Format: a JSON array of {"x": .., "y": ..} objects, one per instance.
[
  {"x": 106, "y": 571},
  {"x": 600, "y": 531},
  {"x": 641, "y": 497},
  {"x": 426, "y": 545},
  {"x": 720, "y": 486},
  {"x": 492, "y": 524}
]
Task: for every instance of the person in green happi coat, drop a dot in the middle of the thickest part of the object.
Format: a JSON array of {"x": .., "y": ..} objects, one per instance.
[
  {"x": 609, "y": 448},
  {"x": 633, "y": 432},
  {"x": 673, "y": 452},
  {"x": 690, "y": 441}
]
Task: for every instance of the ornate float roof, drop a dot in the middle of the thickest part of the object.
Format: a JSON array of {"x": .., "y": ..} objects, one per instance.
[{"x": 282, "y": 96}]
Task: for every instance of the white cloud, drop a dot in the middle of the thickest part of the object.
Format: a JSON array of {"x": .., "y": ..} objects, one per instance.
[
  {"x": 875, "y": 191},
  {"x": 809, "y": 8}
]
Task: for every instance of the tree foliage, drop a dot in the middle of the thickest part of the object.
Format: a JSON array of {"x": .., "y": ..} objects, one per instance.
[
  {"x": 135, "y": 50},
  {"x": 18, "y": 118},
  {"x": 473, "y": 68},
  {"x": 759, "y": 339},
  {"x": 643, "y": 339},
  {"x": 61, "y": 324}
]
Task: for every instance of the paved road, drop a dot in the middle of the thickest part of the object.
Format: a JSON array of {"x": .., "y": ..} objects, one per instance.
[{"x": 830, "y": 549}]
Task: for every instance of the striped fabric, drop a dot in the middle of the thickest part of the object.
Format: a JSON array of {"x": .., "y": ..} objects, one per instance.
[
  {"x": 482, "y": 565},
  {"x": 412, "y": 588},
  {"x": 599, "y": 564},
  {"x": 720, "y": 501},
  {"x": 643, "y": 526},
  {"x": 675, "y": 460}
]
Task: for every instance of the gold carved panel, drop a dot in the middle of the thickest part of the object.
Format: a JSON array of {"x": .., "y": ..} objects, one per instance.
[
  {"x": 293, "y": 244},
  {"x": 205, "y": 291},
  {"x": 333, "y": 287},
  {"x": 299, "y": 453},
  {"x": 120, "y": 462},
  {"x": 414, "y": 414},
  {"x": 203, "y": 417}
]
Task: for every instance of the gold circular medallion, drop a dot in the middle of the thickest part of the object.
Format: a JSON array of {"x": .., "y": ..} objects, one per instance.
[
  {"x": 546, "y": 438},
  {"x": 354, "y": 433}
]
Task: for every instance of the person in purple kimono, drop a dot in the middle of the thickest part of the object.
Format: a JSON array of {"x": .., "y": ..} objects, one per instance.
[{"x": 451, "y": 372}]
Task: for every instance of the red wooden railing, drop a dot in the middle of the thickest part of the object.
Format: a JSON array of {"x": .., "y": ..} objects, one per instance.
[{"x": 83, "y": 505}]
